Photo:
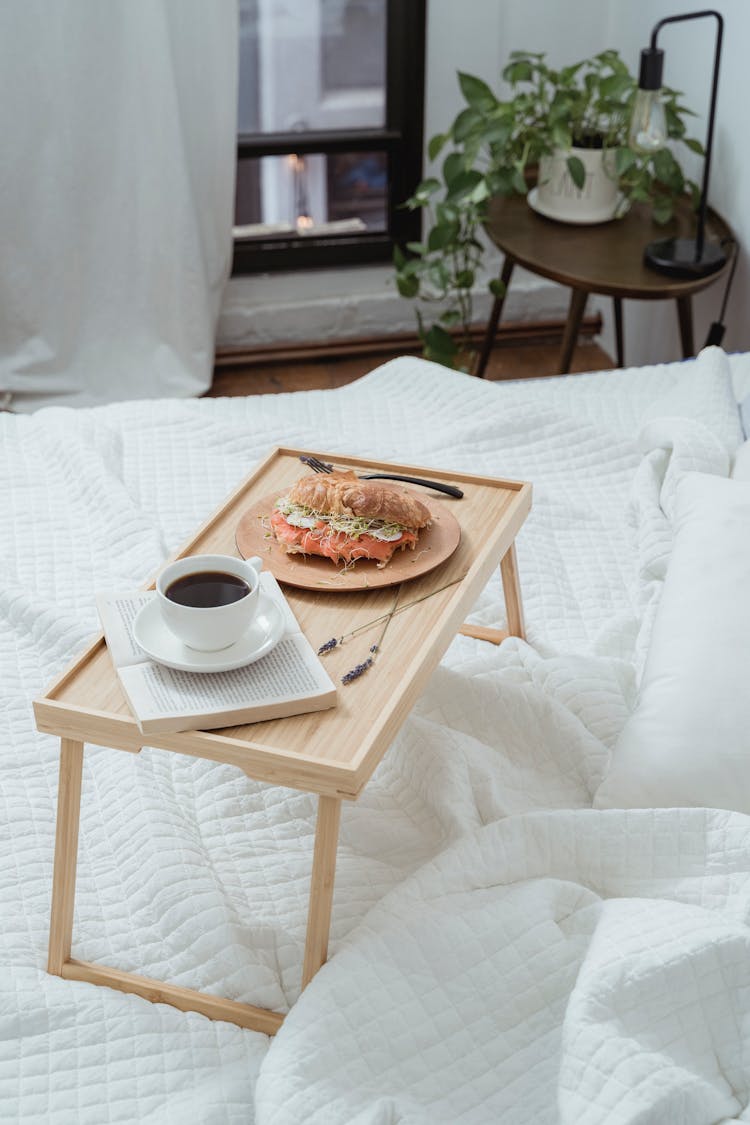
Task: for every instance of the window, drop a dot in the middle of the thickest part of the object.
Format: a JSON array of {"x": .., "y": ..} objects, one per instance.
[{"x": 330, "y": 130}]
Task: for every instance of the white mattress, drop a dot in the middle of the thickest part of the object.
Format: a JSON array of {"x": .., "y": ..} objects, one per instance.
[{"x": 500, "y": 951}]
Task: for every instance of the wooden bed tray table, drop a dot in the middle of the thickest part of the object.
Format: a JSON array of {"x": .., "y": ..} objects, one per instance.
[{"x": 331, "y": 753}]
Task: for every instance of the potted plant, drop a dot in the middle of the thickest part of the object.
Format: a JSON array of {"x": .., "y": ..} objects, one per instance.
[{"x": 555, "y": 124}]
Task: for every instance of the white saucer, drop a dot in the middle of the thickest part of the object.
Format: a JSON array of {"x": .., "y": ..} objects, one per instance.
[
  {"x": 533, "y": 201},
  {"x": 158, "y": 642}
]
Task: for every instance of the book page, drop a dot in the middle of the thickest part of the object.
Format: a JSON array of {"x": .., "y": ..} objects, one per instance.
[
  {"x": 285, "y": 673},
  {"x": 117, "y": 613},
  {"x": 290, "y": 671}
]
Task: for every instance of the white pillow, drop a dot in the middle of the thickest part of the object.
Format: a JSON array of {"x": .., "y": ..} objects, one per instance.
[{"x": 688, "y": 740}]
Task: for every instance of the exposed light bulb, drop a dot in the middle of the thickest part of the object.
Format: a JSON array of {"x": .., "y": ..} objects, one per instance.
[{"x": 648, "y": 125}]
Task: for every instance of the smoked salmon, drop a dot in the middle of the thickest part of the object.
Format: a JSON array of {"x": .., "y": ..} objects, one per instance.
[{"x": 336, "y": 545}]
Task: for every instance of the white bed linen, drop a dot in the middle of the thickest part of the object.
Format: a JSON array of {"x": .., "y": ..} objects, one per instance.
[
  {"x": 500, "y": 951},
  {"x": 688, "y": 740}
]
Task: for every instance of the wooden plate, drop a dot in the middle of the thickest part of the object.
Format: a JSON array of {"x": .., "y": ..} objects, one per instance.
[{"x": 308, "y": 572}]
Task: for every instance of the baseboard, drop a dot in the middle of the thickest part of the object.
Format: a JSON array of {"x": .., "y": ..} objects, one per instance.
[{"x": 513, "y": 334}]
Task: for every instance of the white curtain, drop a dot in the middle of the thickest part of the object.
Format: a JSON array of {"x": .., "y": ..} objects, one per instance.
[{"x": 117, "y": 164}]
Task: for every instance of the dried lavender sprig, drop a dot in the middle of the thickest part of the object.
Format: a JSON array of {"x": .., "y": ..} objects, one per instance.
[
  {"x": 357, "y": 671},
  {"x": 335, "y": 641},
  {"x": 360, "y": 669}
]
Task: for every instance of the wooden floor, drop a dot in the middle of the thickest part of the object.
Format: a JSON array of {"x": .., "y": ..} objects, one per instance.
[{"x": 518, "y": 361}]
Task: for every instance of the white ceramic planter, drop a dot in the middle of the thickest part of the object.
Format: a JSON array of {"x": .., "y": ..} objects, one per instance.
[{"x": 557, "y": 197}]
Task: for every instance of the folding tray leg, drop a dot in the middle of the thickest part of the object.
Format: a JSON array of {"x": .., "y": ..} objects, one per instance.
[
  {"x": 513, "y": 605},
  {"x": 512, "y": 592},
  {"x": 66, "y": 854},
  {"x": 321, "y": 886},
  {"x": 61, "y": 964}
]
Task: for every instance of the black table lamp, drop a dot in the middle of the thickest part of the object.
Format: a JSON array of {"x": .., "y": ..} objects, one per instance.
[{"x": 681, "y": 257}]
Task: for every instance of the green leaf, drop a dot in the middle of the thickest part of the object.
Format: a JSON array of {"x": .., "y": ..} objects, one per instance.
[
  {"x": 426, "y": 189},
  {"x": 399, "y": 258},
  {"x": 416, "y": 247},
  {"x": 477, "y": 93},
  {"x": 446, "y": 213},
  {"x": 561, "y": 136},
  {"x": 562, "y": 109},
  {"x": 440, "y": 236},
  {"x": 465, "y": 123},
  {"x": 518, "y": 181},
  {"x": 496, "y": 287},
  {"x": 519, "y": 71},
  {"x": 436, "y": 144},
  {"x": 668, "y": 170},
  {"x": 694, "y": 146},
  {"x": 464, "y": 279},
  {"x": 463, "y": 185},
  {"x": 577, "y": 171},
  {"x": 662, "y": 211},
  {"x": 498, "y": 133},
  {"x": 437, "y": 337},
  {"x": 450, "y": 318},
  {"x": 624, "y": 158},
  {"x": 453, "y": 165},
  {"x": 616, "y": 86},
  {"x": 407, "y": 286},
  {"x": 480, "y": 192},
  {"x": 440, "y": 346},
  {"x": 471, "y": 148},
  {"x": 500, "y": 181},
  {"x": 569, "y": 72}
]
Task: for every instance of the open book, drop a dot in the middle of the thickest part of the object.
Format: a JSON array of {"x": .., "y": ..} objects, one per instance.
[{"x": 289, "y": 680}]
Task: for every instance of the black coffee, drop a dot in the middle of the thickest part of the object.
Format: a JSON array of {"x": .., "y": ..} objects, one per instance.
[{"x": 207, "y": 589}]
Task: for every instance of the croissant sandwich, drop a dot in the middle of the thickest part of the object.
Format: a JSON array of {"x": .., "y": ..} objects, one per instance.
[{"x": 343, "y": 518}]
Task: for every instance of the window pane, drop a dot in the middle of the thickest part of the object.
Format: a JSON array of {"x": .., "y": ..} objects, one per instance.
[
  {"x": 353, "y": 45},
  {"x": 338, "y": 193},
  {"x": 311, "y": 65}
]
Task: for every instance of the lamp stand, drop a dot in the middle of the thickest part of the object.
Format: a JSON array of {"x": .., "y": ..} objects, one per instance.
[
  {"x": 678, "y": 257},
  {"x": 691, "y": 257}
]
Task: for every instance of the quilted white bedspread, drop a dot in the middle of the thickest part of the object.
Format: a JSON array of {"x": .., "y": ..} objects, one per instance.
[{"x": 500, "y": 951}]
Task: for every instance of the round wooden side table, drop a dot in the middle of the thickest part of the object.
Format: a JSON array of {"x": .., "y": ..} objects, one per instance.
[{"x": 605, "y": 258}]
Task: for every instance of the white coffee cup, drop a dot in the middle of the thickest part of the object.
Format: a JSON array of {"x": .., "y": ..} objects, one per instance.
[{"x": 210, "y": 628}]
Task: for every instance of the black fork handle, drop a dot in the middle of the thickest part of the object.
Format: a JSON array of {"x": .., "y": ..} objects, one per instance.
[{"x": 448, "y": 489}]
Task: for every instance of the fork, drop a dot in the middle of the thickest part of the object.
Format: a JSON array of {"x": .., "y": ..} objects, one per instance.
[{"x": 319, "y": 466}]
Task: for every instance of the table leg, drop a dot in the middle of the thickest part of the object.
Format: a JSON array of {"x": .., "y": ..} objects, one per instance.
[
  {"x": 492, "y": 323},
  {"x": 321, "y": 886},
  {"x": 619, "y": 340},
  {"x": 578, "y": 298},
  {"x": 66, "y": 854},
  {"x": 512, "y": 592},
  {"x": 61, "y": 964},
  {"x": 513, "y": 606},
  {"x": 484, "y": 633},
  {"x": 685, "y": 317}
]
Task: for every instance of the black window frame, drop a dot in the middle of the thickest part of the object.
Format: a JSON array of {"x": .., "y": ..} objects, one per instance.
[{"x": 401, "y": 138}]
